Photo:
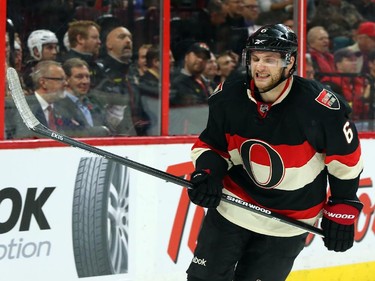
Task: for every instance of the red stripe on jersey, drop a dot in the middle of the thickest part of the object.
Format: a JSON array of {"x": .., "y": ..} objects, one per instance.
[
  {"x": 199, "y": 144},
  {"x": 312, "y": 212},
  {"x": 259, "y": 154},
  {"x": 349, "y": 160}
]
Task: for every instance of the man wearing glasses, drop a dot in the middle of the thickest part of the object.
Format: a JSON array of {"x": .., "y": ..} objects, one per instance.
[{"x": 50, "y": 81}]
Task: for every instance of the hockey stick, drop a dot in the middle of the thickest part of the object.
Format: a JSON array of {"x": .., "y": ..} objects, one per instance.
[{"x": 34, "y": 125}]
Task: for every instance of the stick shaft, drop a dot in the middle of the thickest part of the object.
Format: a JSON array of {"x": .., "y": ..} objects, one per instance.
[{"x": 33, "y": 124}]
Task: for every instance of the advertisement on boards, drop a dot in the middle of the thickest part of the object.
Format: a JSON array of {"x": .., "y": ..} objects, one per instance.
[{"x": 69, "y": 215}]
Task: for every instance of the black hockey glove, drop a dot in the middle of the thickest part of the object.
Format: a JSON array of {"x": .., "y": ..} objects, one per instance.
[
  {"x": 207, "y": 189},
  {"x": 338, "y": 223}
]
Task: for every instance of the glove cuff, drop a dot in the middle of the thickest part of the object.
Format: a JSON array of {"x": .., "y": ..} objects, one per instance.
[
  {"x": 341, "y": 213},
  {"x": 212, "y": 163}
]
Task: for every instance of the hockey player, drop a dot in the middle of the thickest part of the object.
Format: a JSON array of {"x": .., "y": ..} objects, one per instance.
[
  {"x": 42, "y": 45},
  {"x": 272, "y": 139}
]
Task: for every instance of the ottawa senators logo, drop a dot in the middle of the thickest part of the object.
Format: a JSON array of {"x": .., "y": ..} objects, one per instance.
[{"x": 328, "y": 99}]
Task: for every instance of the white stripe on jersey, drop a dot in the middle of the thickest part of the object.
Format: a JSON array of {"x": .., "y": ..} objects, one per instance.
[{"x": 344, "y": 172}]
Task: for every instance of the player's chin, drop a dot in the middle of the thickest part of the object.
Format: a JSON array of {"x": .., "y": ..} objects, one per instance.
[{"x": 261, "y": 83}]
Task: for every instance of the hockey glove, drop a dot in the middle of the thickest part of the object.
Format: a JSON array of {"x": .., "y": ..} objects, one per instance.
[
  {"x": 207, "y": 189},
  {"x": 338, "y": 223}
]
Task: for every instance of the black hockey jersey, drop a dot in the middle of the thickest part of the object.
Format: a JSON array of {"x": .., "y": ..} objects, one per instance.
[{"x": 280, "y": 155}]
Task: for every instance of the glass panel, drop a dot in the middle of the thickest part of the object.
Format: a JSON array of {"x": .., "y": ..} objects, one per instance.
[
  {"x": 95, "y": 63},
  {"x": 206, "y": 41}
]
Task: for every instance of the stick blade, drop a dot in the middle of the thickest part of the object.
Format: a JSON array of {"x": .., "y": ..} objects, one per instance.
[{"x": 18, "y": 96}]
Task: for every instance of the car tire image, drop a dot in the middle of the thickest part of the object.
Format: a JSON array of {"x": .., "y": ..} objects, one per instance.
[{"x": 100, "y": 217}]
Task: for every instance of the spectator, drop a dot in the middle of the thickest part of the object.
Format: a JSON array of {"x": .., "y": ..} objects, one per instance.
[
  {"x": 289, "y": 22},
  {"x": 150, "y": 86},
  {"x": 205, "y": 26},
  {"x": 274, "y": 11},
  {"x": 370, "y": 89},
  {"x": 49, "y": 80},
  {"x": 77, "y": 105},
  {"x": 188, "y": 87},
  {"x": 347, "y": 83},
  {"x": 250, "y": 12},
  {"x": 84, "y": 43},
  {"x": 43, "y": 45},
  {"x": 338, "y": 17},
  {"x": 18, "y": 56},
  {"x": 124, "y": 111},
  {"x": 310, "y": 72},
  {"x": 233, "y": 31},
  {"x": 276, "y": 5},
  {"x": 365, "y": 43},
  {"x": 226, "y": 65},
  {"x": 366, "y": 8},
  {"x": 210, "y": 73},
  {"x": 138, "y": 68},
  {"x": 189, "y": 93},
  {"x": 149, "y": 82},
  {"x": 318, "y": 43}
]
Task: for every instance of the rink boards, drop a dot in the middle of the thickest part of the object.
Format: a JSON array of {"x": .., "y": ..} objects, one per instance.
[{"x": 66, "y": 215}]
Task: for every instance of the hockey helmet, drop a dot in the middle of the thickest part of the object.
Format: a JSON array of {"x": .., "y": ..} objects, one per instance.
[
  {"x": 272, "y": 38},
  {"x": 38, "y": 38}
]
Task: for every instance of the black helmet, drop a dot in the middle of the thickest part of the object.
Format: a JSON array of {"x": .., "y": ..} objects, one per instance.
[{"x": 273, "y": 38}]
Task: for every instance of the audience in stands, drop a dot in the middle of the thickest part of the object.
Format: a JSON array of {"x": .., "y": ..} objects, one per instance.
[
  {"x": 49, "y": 80},
  {"x": 43, "y": 45},
  {"x": 226, "y": 64},
  {"x": 369, "y": 94},
  {"x": 365, "y": 43},
  {"x": 84, "y": 43},
  {"x": 125, "y": 115},
  {"x": 339, "y": 18},
  {"x": 346, "y": 82},
  {"x": 318, "y": 47},
  {"x": 188, "y": 87},
  {"x": 309, "y": 67},
  {"x": 250, "y": 12},
  {"x": 125, "y": 67},
  {"x": 138, "y": 67},
  {"x": 209, "y": 74},
  {"x": 86, "y": 113}
]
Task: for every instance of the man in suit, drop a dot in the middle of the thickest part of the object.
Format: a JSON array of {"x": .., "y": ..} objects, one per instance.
[
  {"x": 49, "y": 80},
  {"x": 85, "y": 113}
]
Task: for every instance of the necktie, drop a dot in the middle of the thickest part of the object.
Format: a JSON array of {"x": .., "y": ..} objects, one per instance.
[
  {"x": 86, "y": 112},
  {"x": 51, "y": 118}
]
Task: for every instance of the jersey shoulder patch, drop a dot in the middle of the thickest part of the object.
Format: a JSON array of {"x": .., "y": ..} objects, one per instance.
[{"x": 328, "y": 99}]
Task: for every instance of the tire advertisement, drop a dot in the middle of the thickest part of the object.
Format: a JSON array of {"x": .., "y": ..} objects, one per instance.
[{"x": 66, "y": 214}]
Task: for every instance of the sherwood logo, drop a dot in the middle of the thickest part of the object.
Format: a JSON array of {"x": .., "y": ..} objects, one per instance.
[
  {"x": 339, "y": 216},
  {"x": 249, "y": 205},
  {"x": 198, "y": 261}
]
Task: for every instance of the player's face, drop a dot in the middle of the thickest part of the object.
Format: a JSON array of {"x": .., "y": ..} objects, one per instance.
[
  {"x": 79, "y": 81},
  {"x": 266, "y": 69},
  {"x": 49, "y": 51}
]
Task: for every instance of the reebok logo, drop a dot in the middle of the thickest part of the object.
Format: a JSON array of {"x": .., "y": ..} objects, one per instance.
[{"x": 199, "y": 261}]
